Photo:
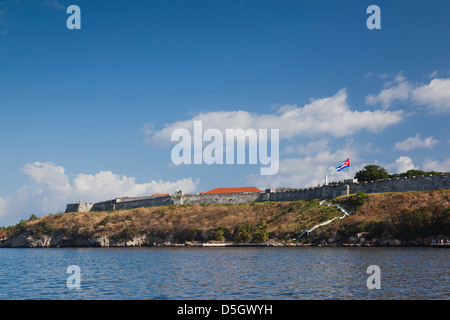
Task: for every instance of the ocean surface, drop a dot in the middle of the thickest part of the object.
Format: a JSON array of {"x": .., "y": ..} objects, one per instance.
[{"x": 276, "y": 273}]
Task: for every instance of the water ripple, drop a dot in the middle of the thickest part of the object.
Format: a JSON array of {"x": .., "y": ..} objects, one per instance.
[{"x": 224, "y": 273}]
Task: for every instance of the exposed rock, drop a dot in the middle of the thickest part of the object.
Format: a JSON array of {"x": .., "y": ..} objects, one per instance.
[
  {"x": 41, "y": 242},
  {"x": 103, "y": 241},
  {"x": 394, "y": 242},
  {"x": 19, "y": 241},
  {"x": 137, "y": 242}
]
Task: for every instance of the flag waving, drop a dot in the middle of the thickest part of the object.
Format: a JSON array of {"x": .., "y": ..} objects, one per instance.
[{"x": 343, "y": 165}]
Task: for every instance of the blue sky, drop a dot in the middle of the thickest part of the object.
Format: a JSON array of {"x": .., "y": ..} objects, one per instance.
[{"x": 86, "y": 113}]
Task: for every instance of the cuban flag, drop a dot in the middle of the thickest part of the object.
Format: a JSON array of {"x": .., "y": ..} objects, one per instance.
[{"x": 343, "y": 165}]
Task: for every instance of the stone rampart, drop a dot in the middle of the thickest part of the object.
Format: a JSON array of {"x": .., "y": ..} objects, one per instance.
[
  {"x": 222, "y": 198},
  {"x": 420, "y": 183},
  {"x": 149, "y": 202}
]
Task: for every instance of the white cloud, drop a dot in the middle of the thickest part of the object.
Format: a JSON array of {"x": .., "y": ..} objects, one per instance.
[
  {"x": 48, "y": 173},
  {"x": 415, "y": 143},
  {"x": 401, "y": 91},
  {"x": 435, "y": 95},
  {"x": 435, "y": 165},
  {"x": 105, "y": 185},
  {"x": 52, "y": 189},
  {"x": 331, "y": 116},
  {"x": 402, "y": 164}
]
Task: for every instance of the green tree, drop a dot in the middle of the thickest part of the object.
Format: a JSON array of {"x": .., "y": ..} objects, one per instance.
[
  {"x": 243, "y": 233},
  {"x": 372, "y": 172},
  {"x": 261, "y": 235},
  {"x": 413, "y": 173}
]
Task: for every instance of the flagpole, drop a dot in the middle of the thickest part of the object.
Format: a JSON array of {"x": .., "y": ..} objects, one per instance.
[{"x": 350, "y": 167}]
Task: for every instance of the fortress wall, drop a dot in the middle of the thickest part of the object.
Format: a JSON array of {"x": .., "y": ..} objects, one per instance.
[
  {"x": 420, "y": 183},
  {"x": 310, "y": 193},
  {"x": 212, "y": 198},
  {"x": 149, "y": 202},
  {"x": 103, "y": 206},
  {"x": 72, "y": 207}
]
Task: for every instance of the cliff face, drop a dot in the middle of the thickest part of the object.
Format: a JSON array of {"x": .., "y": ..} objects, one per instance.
[
  {"x": 28, "y": 240},
  {"x": 385, "y": 219}
]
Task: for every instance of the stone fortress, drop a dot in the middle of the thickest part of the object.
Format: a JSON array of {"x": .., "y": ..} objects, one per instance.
[{"x": 246, "y": 195}]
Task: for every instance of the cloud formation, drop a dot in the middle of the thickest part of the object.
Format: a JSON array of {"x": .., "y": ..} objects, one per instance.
[
  {"x": 415, "y": 143},
  {"x": 399, "y": 90},
  {"x": 403, "y": 164},
  {"x": 326, "y": 116},
  {"x": 434, "y": 96},
  {"x": 436, "y": 165},
  {"x": 51, "y": 189}
]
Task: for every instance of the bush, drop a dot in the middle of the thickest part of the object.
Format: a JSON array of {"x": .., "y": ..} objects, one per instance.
[
  {"x": 33, "y": 217},
  {"x": 42, "y": 228},
  {"x": 127, "y": 233},
  {"x": 243, "y": 233},
  {"x": 105, "y": 221},
  {"x": 189, "y": 234},
  {"x": 261, "y": 235},
  {"x": 249, "y": 233},
  {"x": 414, "y": 173},
  {"x": 219, "y": 234},
  {"x": 358, "y": 199},
  {"x": 20, "y": 227}
]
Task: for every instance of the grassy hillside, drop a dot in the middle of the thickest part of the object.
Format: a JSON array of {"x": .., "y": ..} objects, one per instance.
[{"x": 407, "y": 215}]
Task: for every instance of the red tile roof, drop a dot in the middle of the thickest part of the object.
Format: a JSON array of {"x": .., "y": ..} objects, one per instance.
[{"x": 233, "y": 190}]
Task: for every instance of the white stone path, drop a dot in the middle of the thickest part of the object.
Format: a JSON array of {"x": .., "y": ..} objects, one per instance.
[{"x": 328, "y": 221}]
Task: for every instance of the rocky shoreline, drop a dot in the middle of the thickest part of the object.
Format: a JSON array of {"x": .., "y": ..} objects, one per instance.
[{"x": 27, "y": 240}]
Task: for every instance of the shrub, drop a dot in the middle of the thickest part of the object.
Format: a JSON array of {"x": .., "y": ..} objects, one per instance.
[
  {"x": 219, "y": 234},
  {"x": 127, "y": 233},
  {"x": 243, "y": 233},
  {"x": 358, "y": 199},
  {"x": 33, "y": 217},
  {"x": 189, "y": 234},
  {"x": 105, "y": 221},
  {"x": 260, "y": 235},
  {"x": 20, "y": 227},
  {"x": 42, "y": 227}
]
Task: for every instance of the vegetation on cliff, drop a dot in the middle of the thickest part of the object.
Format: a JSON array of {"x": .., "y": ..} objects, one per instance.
[
  {"x": 406, "y": 216},
  {"x": 373, "y": 172}
]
